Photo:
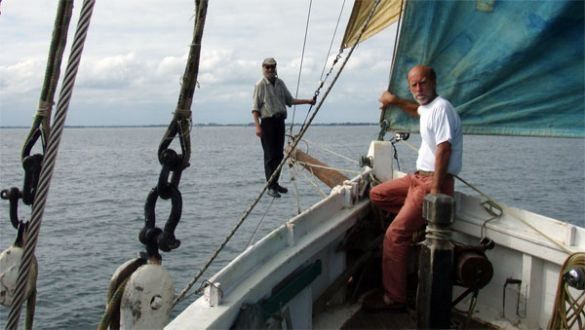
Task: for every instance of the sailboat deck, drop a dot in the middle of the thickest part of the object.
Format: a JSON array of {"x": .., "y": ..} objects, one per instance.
[
  {"x": 404, "y": 320},
  {"x": 350, "y": 315}
]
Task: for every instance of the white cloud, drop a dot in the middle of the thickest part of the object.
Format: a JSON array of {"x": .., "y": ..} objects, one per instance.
[
  {"x": 170, "y": 65},
  {"x": 136, "y": 52},
  {"x": 20, "y": 77}
]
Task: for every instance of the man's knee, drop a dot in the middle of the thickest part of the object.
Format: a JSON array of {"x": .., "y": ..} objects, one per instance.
[
  {"x": 396, "y": 236},
  {"x": 377, "y": 195}
]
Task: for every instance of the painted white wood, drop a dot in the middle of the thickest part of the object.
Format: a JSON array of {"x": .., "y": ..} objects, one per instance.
[
  {"x": 300, "y": 309},
  {"x": 380, "y": 154},
  {"x": 252, "y": 275},
  {"x": 531, "y": 307}
]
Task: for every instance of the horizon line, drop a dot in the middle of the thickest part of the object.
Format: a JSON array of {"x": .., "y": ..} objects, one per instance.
[{"x": 196, "y": 125}]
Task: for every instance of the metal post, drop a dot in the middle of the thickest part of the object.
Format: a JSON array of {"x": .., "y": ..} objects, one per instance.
[{"x": 435, "y": 283}]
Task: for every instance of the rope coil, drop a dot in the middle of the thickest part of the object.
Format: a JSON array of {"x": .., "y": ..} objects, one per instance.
[{"x": 569, "y": 306}]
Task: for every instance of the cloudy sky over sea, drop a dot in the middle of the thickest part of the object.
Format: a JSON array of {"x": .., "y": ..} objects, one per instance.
[{"x": 136, "y": 51}]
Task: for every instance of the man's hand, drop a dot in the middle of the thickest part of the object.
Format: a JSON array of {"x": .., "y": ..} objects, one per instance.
[
  {"x": 256, "y": 116},
  {"x": 387, "y": 98}
]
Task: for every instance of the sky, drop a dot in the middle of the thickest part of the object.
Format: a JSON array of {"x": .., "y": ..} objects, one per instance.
[{"x": 135, "y": 55}]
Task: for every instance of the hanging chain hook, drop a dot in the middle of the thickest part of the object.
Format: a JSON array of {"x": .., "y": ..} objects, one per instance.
[
  {"x": 167, "y": 187},
  {"x": 32, "y": 170}
]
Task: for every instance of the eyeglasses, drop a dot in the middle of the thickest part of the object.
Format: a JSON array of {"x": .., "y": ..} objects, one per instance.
[{"x": 268, "y": 67}]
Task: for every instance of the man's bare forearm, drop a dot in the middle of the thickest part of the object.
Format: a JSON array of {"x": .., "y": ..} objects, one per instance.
[
  {"x": 442, "y": 157},
  {"x": 409, "y": 107}
]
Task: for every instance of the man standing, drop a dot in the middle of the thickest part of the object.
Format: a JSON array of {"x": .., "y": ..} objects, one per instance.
[
  {"x": 439, "y": 158},
  {"x": 269, "y": 110}
]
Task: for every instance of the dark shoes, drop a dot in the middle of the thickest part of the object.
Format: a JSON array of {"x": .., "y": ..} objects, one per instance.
[
  {"x": 280, "y": 189},
  {"x": 375, "y": 301},
  {"x": 273, "y": 193},
  {"x": 275, "y": 190}
]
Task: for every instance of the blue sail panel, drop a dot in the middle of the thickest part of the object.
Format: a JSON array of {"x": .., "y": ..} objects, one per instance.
[{"x": 509, "y": 67}]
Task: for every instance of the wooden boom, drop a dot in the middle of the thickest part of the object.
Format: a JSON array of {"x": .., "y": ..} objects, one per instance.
[{"x": 328, "y": 176}]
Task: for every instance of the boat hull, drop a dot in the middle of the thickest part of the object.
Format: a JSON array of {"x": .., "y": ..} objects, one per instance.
[{"x": 529, "y": 252}]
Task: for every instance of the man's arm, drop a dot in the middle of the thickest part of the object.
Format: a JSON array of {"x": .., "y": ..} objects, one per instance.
[
  {"x": 256, "y": 116},
  {"x": 304, "y": 101},
  {"x": 409, "y": 107},
  {"x": 442, "y": 156}
]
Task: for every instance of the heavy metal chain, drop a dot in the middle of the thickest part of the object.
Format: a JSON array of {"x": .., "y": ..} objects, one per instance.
[
  {"x": 167, "y": 187},
  {"x": 172, "y": 162}
]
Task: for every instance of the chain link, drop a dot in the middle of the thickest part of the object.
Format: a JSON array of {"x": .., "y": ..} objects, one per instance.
[
  {"x": 32, "y": 169},
  {"x": 167, "y": 187}
]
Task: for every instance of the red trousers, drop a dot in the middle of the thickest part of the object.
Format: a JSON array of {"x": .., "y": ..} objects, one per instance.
[{"x": 403, "y": 197}]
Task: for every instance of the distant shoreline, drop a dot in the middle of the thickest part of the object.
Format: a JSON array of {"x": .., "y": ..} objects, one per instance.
[{"x": 195, "y": 125}]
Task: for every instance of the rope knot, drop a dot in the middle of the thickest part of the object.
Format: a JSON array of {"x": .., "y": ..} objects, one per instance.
[
  {"x": 44, "y": 109},
  {"x": 182, "y": 113}
]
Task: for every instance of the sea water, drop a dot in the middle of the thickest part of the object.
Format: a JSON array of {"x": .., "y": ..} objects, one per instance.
[{"x": 95, "y": 207}]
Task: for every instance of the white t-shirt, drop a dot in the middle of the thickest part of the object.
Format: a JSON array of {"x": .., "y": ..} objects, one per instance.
[{"x": 439, "y": 122}]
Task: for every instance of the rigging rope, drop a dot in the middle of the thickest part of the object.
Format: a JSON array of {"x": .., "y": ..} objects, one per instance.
[
  {"x": 332, "y": 152},
  {"x": 569, "y": 309},
  {"x": 311, "y": 180},
  {"x": 52, "y": 72},
  {"x": 311, "y": 165},
  {"x": 171, "y": 162},
  {"x": 301, "y": 64},
  {"x": 394, "y": 51},
  {"x": 332, "y": 40},
  {"x": 297, "y": 92},
  {"x": 49, "y": 160},
  {"x": 41, "y": 127},
  {"x": 259, "y": 223},
  {"x": 296, "y": 189},
  {"x": 321, "y": 81},
  {"x": 284, "y": 160},
  {"x": 41, "y": 124}
]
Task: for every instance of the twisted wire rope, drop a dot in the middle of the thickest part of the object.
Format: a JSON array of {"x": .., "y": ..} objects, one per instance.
[{"x": 49, "y": 162}]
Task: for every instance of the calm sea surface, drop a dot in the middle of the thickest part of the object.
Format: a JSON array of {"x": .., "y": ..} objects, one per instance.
[{"x": 95, "y": 207}]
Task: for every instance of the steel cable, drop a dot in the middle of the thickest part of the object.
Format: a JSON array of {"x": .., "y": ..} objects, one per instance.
[
  {"x": 301, "y": 64},
  {"x": 49, "y": 161}
]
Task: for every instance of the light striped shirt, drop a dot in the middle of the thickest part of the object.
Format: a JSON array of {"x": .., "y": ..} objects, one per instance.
[{"x": 270, "y": 100}]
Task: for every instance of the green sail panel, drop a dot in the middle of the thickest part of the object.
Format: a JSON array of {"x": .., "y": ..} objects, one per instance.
[{"x": 509, "y": 67}]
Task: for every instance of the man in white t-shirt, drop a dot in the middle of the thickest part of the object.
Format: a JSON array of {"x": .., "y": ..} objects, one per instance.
[{"x": 439, "y": 158}]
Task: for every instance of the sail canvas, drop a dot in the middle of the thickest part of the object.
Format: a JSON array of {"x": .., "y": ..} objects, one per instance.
[{"x": 509, "y": 67}]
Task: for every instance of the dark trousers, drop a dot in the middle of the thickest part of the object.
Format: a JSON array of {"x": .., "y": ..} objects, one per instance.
[{"x": 273, "y": 145}]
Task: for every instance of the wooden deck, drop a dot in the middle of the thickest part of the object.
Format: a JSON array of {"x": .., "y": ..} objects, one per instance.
[
  {"x": 381, "y": 320},
  {"x": 404, "y": 320}
]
